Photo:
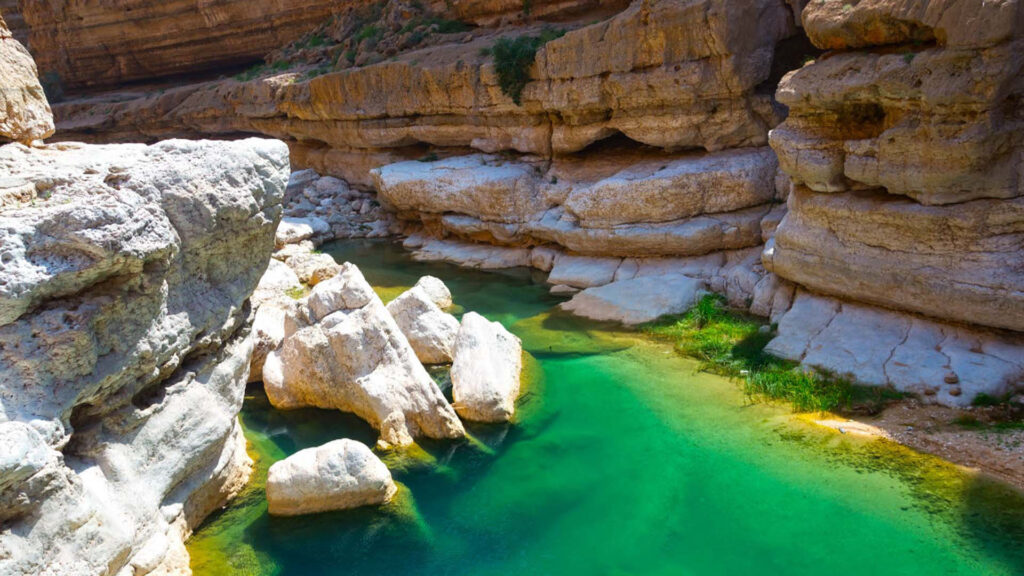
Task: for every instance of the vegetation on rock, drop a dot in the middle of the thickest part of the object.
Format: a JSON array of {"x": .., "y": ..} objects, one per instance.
[
  {"x": 513, "y": 57},
  {"x": 732, "y": 344}
]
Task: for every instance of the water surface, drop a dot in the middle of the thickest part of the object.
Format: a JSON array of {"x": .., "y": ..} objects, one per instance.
[{"x": 624, "y": 461}]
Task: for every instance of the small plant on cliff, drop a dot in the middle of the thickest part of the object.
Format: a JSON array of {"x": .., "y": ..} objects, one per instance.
[{"x": 513, "y": 57}]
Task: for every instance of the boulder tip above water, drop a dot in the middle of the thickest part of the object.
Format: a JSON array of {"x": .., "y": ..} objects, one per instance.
[
  {"x": 339, "y": 475},
  {"x": 486, "y": 372},
  {"x": 431, "y": 331}
]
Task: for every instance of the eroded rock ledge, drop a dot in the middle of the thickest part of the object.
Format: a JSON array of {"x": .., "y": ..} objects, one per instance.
[{"x": 124, "y": 276}]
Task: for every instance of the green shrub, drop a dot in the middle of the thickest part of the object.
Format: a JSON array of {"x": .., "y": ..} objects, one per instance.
[
  {"x": 513, "y": 57},
  {"x": 368, "y": 31}
]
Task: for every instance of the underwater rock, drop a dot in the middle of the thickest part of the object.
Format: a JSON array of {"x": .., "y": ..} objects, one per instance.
[
  {"x": 344, "y": 351},
  {"x": 336, "y": 476},
  {"x": 431, "y": 331},
  {"x": 487, "y": 370}
]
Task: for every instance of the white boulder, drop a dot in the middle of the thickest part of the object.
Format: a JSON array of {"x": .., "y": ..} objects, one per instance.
[
  {"x": 346, "y": 352},
  {"x": 430, "y": 331},
  {"x": 295, "y": 230},
  {"x": 486, "y": 372},
  {"x": 336, "y": 476},
  {"x": 637, "y": 300}
]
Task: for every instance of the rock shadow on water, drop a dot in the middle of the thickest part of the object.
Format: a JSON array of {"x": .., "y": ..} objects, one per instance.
[{"x": 559, "y": 334}]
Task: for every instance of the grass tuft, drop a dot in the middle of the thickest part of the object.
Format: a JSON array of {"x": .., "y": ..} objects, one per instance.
[
  {"x": 732, "y": 345},
  {"x": 513, "y": 57}
]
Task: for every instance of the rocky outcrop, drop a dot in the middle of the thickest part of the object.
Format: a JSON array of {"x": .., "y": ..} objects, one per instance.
[
  {"x": 343, "y": 350},
  {"x": 24, "y": 112},
  {"x": 90, "y": 43},
  {"x": 487, "y": 370},
  {"x": 124, "y": 276},
  {"x": 905, "y": 146},
  {"x": 336, "y": 476},
  {"x": 669, "y": 73}
]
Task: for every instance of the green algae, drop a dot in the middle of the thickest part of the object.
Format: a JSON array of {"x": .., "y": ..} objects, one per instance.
[{"x": 625, "y": 459}]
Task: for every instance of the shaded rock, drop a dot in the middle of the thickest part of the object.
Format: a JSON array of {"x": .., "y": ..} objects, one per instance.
[
  {"x": 637, "y": 300},
  {"x": 431, "y": 332},
  {"x": 336, "y": 476},
  {"x": 582, "y": 271},
  {"x": 487, "y": 369}
]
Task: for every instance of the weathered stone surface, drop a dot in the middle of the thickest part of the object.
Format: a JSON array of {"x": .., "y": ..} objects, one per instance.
[
  {"x": 24, "y": 112},
  {"x": 669, "y": 73},
  {"x": 336, "y": 476},
  {"x": 346, "y": 352},
  {"x": 294, "y": 230},
  {"x": 963, "y": 264},
  {"x": 312, "y": 267},
  {"x": 436, "y": 291},
  {"x": 943, "y": 363},
  {"x": 89, "y": 43},
  {"x": 431, "y": 332},
  {"x": 487, "y": 370},
  {"x": 637, "y": 300},
  {"x": 583, "y": 272},
  {"x": 122, "y": 361}
]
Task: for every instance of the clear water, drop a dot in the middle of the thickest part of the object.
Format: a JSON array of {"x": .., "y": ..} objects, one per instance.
[{"x": 624, "y": 461}]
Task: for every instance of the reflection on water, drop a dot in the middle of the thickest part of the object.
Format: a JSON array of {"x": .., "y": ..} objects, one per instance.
[{"x": 623, "y": 460}]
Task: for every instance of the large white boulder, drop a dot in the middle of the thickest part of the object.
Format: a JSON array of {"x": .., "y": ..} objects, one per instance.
[
  {"x": 336, "y": 476},
  {"x": 123, "y": 283},
  {"x": 637, "y": 300},
  {"x": 344, "y": 351},
  {"x": 487, "y": 369},
  {"x": 430, "y": 330}
]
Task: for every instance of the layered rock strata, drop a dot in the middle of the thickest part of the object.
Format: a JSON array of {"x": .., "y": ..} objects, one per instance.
[
  {"x": 124, "y": 277},
  {"x": 905, "y": 146},
  {"x": 92, "y": 43}
]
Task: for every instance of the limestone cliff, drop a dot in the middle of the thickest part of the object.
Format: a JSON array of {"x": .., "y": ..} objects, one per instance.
[
  {"x": 124, "y": 276},
  {"x": 106, "y": 43},
  {"x": 906, "y": 146}
]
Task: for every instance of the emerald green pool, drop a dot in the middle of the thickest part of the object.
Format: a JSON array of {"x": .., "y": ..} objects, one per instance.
[{"x": 624, "y": 461}]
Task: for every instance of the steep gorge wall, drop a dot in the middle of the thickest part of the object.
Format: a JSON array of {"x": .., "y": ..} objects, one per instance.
[
  {"x": 905, "y": 145},
  {"x": 97, "y": 43}
]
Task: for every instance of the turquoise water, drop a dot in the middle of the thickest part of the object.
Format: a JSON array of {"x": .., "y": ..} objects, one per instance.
[{"x": 624, "y": 461}]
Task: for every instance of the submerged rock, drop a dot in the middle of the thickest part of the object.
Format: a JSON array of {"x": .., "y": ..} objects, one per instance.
[
  {"x": 487, "y": 369},
  {"x": 345, "y": 351},
  {"x": 637, "y": 300},
  {"x": 336, "y": 476},
  {"x": 430, "y": 331}
]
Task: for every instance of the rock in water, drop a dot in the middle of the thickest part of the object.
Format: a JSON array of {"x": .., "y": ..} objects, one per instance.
[
  {"x": 430, "y": 331},
  {"x": 336, "y": 476},
  {"x": 346, "y": 352},
  {"x": 24, "y": 112},
  {"x": 637, "y": 300},
  {"x": 486, "y": 372},
  {"x": 435, "y": 289},
  {"x": 123, "y": 282}
]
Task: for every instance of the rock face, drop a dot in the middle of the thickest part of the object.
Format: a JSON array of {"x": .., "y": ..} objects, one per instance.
[
  {"x": 431, "y": 331},
  {"x": 24, "y": 112},
  {"x": 487, "y": 369},
  {"x": 344, "y": 351},
  {"x": 123, "y": 359},
  {"x": 87, "y": 43},
  {"x": 905, "y": 147},
  {"x": 336, "y": 476},
  {"x": 940, "y": 362}
]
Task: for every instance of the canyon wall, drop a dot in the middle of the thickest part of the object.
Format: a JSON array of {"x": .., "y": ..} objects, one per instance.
[
  {"x": 125, "y": 272},
  {"x": 97, "y": 43},
  {"x": 905, "y": 147},
  {"x": 638, "y": 148}
]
